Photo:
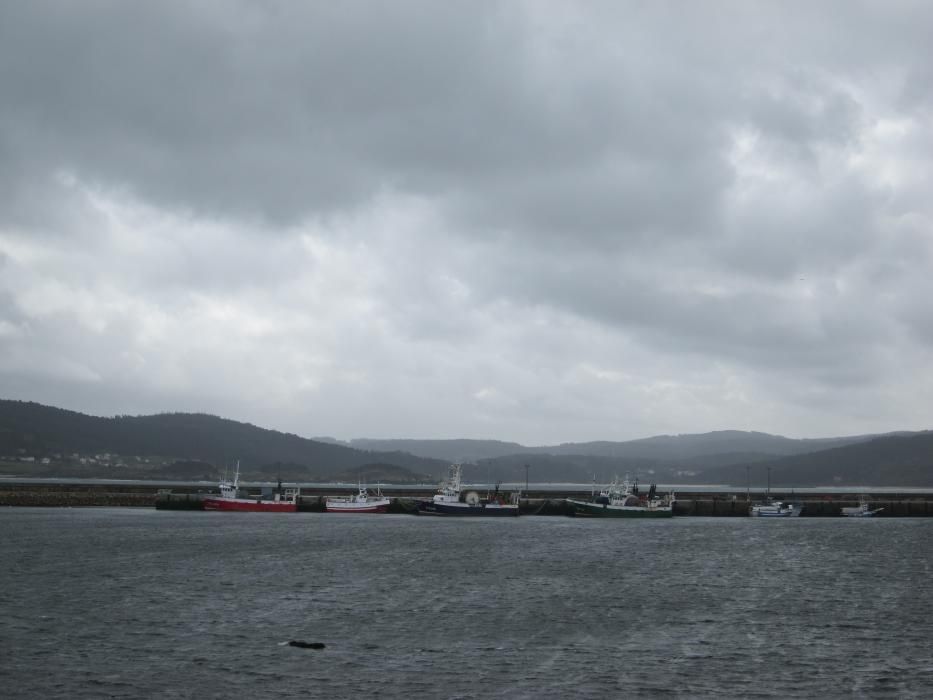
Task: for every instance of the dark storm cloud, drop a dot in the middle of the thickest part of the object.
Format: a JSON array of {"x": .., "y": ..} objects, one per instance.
[
  {"x": 610, "y": 124},
  {"x": 258, "y": 109},
  {"x": 284, "y": 112}
]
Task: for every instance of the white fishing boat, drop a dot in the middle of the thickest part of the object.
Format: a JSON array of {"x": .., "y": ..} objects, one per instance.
[
  {"x": 775, "y": 509},
  {"x": 862, "y": 510},
  {"x": 360, "y": 502}
]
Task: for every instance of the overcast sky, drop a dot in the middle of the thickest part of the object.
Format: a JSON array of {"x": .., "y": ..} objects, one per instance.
[{"x": 538, "y": 221}]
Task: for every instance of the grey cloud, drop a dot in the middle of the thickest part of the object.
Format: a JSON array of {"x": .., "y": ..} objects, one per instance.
[
  {"x": 280, "y": 111},
  {"x": 265, "y": 109},
  {"x": 464, "y": 205}
]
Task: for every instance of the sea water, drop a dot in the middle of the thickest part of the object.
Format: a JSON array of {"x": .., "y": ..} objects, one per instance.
[{"x": 167, "y": 604}]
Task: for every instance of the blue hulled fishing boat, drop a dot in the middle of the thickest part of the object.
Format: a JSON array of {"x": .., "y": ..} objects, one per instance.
[{"x": 449, "y": 500}]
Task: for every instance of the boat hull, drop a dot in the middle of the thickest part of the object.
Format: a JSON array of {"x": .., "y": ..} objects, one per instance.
[
  {"x": 249, "y": 505},
  {"x": 374, "y": 508},
  {"x": 600, "y": 510},
  {"x": 860, "y": 511},
  {"x": 466, "y": 510},
  {"x": 771, "y": 514}
]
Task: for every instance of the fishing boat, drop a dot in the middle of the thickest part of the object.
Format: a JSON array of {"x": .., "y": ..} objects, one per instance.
[
  {"x": 774, "y": 509},
  {"x": 862, "y": 510},
  {"x": 230, "y": 499},
  {"x": 623, "y": 500},
  {"x": 360, "y": 502},
  {"x": 449, "y": 500}
]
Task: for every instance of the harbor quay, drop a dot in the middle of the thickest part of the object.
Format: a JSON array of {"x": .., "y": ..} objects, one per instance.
[{"x": 539, "y": 499}]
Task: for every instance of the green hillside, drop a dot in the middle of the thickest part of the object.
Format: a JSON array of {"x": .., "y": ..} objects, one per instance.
[
  {"x": 897, "y": 460},
  {"x": 143, "y": 446}
]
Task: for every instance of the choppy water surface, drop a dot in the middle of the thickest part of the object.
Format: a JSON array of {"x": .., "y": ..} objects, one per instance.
[{"x": 145, "y": 603}]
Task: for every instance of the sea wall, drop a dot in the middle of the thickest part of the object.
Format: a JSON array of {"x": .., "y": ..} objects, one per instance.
[
  {"x": 75, "y": 499},
  {"x": 190, "y": 497}
]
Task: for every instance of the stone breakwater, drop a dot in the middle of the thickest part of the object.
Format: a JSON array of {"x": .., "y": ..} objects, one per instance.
[
  {"x": 190, "y": 496},
  {"x": 74, "y": 498}
]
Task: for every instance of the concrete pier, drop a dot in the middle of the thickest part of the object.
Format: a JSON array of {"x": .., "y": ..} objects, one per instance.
[{"x": 188, "y": 496}]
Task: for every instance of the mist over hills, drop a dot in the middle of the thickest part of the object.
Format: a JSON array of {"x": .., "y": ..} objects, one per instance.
[
  {"x": 453, "y": 450},
  {"x": 889, "y": 460},
  {"x": 719, "y": 457},
  {"x": 42, "y": 440},
  {"x": 681, "y": 459},
  {"x": 750, "y": 445}
]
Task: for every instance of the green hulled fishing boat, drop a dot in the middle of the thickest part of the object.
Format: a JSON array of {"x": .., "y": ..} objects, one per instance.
[{"x": 623, "y": 500}]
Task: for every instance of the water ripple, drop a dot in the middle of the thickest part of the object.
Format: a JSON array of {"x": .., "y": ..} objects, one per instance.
[{"x": 127, "y": 603}]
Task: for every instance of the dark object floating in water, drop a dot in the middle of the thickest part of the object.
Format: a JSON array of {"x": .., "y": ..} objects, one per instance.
[{"x": 307, "y": 645}]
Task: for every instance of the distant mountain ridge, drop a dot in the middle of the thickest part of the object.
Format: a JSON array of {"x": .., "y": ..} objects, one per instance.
[
  {"x": 719, "y": 457},
  {"x": 452, "y": 450},
  {"x": 47, "y": 441},
  {"x": 659, "y": 447},
  {"x": 890, "y": 460},
  {"x": 689, "y": 446}
]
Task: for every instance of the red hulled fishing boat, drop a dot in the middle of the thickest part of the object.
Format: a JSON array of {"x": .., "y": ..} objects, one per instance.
[{"x": 229, "y": 499}]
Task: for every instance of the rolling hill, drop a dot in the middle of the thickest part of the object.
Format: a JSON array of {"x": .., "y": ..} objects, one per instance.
[
  {"x": 668, "y": 448},
  {"x": 891, "y": 460},
  {"x": 122, "y": 444},
  {"x": 41, "y": 440}
]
